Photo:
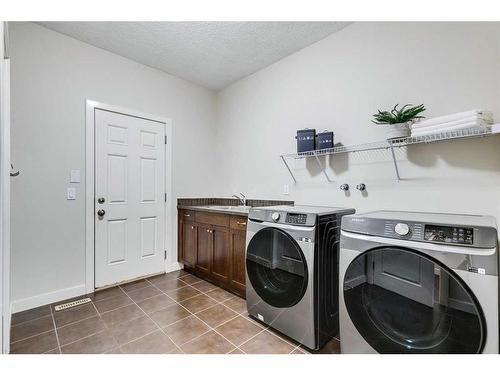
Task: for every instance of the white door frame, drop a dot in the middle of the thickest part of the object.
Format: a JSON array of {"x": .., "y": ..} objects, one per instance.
[
  {"x": 5, "y": 304},
  {"x": 91, "y": 106}
]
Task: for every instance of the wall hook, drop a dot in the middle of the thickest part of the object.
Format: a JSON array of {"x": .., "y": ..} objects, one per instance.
[{"x": 12, "y": 173}]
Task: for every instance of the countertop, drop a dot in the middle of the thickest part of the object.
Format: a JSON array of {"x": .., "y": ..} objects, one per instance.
[{"x": 234, "y": 210}]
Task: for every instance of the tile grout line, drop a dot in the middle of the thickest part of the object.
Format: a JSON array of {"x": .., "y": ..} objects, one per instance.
[
  {"x": 210, "y": 328},
  {"x": 30, "y": 320},
  {"x": 191, "y": 314},
  {"x": 213, "y": 329},
  {"x": 267, "y": 329},
  {"x": 92, "y": 334},
  {"x": 32, "y": 336},
  {"x": 244, "y": 342},
  {"x": 156, "y": 324},
  {"x": 194, "y": 314},
  {"x": 55, "y": 330}
]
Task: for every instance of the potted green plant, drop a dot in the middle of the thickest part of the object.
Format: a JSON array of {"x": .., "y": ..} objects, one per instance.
[{"x": 398, "y": 121}]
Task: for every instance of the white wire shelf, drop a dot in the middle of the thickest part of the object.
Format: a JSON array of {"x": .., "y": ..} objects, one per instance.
[{"x": 391, "y": 144}]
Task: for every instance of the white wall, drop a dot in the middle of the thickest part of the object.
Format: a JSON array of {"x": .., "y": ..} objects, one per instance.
[
  {"x": 338, "y": 83},
  {"x": 52, "y": 75}
]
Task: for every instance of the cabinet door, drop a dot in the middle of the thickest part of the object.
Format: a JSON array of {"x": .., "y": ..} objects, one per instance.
[
  {"x": 238, "y": 244},
  {"x": 189, "y": 243},
  {"x": 220, "y": 255},
  {"x": 204, "y": 249}
]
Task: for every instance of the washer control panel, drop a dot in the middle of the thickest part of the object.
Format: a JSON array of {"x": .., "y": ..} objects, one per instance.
[
  {"x": 292, "y": 218},
  {"x": 446, "y": 234},
  {"x": 283, "y": 217}
]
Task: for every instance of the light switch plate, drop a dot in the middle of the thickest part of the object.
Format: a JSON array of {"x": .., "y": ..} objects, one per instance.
[
  {"x": 286, "y": 189},
  {"x": 71, "y": 194},
  {"x": 75, "y": 176}
]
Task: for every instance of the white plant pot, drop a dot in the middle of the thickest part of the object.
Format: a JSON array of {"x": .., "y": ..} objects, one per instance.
[{"x": 397, "y": 130}]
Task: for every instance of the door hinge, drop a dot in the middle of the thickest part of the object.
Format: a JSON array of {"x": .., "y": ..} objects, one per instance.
[
  {"x": 165, "y": 139},
  {"x": 165, "y": 255},
  {"x": 165, "y": 197}
]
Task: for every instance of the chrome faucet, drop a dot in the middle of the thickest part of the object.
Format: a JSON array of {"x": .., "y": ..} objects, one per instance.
[{"x": 242, "y": 199}]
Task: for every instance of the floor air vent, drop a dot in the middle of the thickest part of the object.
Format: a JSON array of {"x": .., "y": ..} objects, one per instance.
[{"x": 68, "y": 305}]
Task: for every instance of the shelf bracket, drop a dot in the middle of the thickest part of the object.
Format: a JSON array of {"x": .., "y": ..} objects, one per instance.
[
  {"x": 394, "y": 161},
  {"x": 289, "y": 170},
  {"x": 321, "y": 167}
]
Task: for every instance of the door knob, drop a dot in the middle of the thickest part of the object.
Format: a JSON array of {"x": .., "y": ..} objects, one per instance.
[
  {"x": 101, "y": 200},
  {"x": 101, "y": 212}
]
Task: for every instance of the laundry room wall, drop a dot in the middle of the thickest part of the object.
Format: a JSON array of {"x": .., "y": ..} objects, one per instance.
[
  {"x": 337, "y": 84},
  {"x": 52, "y": 76}
]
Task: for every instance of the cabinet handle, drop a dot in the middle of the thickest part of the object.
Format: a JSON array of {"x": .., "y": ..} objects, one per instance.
[
  {"x": 208, "y": 230},
  {"x": 192, "y": 227},
  {"x": 187, "y": 215},
  {"x": 243, "y": 223}
]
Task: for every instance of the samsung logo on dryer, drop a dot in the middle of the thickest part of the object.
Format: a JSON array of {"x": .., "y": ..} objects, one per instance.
[{"x": 357, "y": 219}]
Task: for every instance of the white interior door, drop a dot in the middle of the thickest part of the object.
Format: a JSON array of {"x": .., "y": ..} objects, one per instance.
[{"x": 130, "y": 183}]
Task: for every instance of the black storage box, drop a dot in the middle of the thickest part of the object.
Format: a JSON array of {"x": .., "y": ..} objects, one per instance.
[
  {"x": 324, "y": 140},
  {"x": 306, "y": 140}
]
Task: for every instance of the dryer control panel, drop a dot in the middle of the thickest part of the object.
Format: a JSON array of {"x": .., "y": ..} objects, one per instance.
[
  {"x": 293, "y": 218},
  {"x": 447, "y": 234}
]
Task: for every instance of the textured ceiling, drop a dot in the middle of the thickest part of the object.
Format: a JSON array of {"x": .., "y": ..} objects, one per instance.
[{"x": 211, "y": 54}]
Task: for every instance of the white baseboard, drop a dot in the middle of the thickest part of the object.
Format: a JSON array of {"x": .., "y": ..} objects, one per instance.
[
  {"x": 46, "y": 298},
  {"x": 174, "y": 267}
]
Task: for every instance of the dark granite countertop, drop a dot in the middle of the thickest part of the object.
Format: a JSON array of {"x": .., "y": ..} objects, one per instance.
[
  {"x": 229, "y": 206},
  {"x": 230, "y": 210}
]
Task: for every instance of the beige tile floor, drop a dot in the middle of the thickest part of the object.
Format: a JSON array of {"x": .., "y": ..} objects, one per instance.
[{"x": 171, "y": 313}]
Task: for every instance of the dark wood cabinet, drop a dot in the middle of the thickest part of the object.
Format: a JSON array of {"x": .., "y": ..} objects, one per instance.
[
  {"x": 212, "y": 246},
  {"x": 220, "y": 254},
  {"x": 237, "y": 277},
  {"x": 189, "y": 235},
  {"x": 203, "y": 249}
]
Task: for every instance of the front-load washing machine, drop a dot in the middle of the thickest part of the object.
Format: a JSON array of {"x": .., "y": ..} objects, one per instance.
[
  {"x": 414, "y": 282},
  {"x": 292, "y": 270}
]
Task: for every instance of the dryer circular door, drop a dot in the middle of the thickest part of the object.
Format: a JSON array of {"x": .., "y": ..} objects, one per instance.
[
  {"x": 403, "y": 301},
  {"x": 276, "y": 267}
]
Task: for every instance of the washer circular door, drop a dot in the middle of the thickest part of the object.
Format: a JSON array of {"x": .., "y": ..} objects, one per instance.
[
  {"x": 403, "y": 301},
  {"x": 276, "y": 267}
]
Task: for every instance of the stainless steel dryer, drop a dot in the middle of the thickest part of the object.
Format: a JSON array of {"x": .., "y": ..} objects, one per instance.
[
  {"x": 413, "y": 282},
  {"x": 292, "y": 270}
]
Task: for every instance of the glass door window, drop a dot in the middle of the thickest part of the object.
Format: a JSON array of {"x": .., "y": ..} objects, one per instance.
[
  {"x": 403, "y": 301},
  {"x": 276, "y": 267}
]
